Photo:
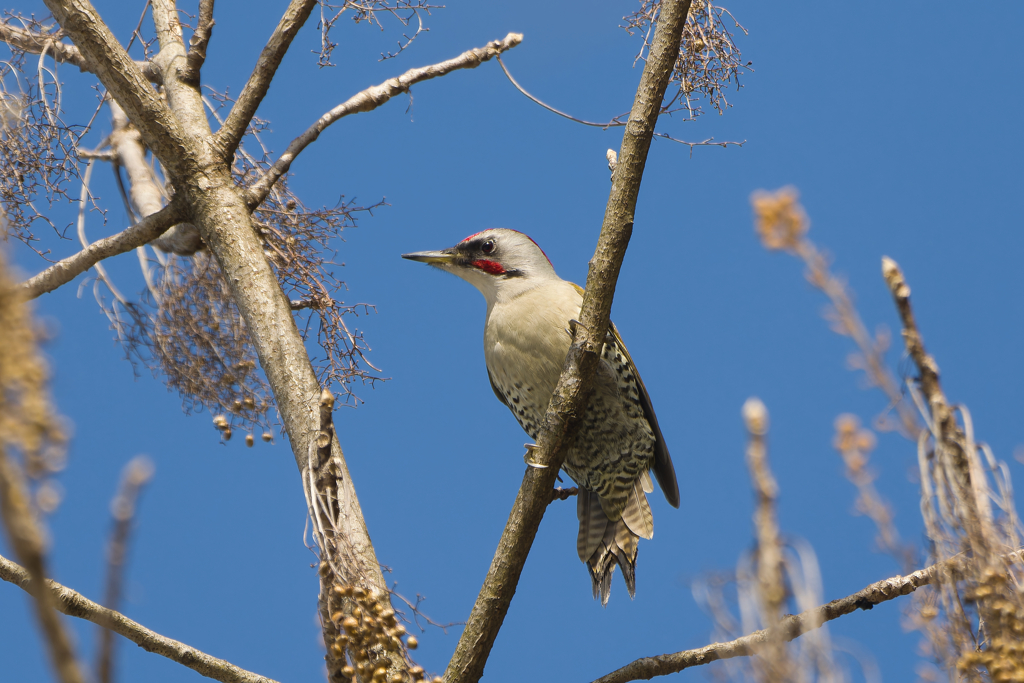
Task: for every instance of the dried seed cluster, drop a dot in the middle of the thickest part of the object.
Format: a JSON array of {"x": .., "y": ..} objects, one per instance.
[{"x": 369, "y": 627}]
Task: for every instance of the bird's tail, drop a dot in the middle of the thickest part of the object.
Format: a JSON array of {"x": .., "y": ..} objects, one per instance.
[{"x": 603, "y": 543}]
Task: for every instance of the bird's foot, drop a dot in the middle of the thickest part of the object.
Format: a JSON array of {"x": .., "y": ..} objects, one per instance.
[
  {"x": 529, "y": 457},
  {"x": 573, "y": 324}
]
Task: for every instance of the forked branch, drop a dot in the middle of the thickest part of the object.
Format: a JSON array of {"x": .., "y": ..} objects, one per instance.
[
  {"x": 570, "y": 397},
  {"x": 370, "y": 99}
]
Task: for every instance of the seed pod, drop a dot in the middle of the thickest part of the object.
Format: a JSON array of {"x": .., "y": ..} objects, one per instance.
[
  {"x": 412, "y": 642},
  {"x": 416, "y": 672},
  {"x": 268, "y": 437},
  {"x": 380, "y": 674},
  {"x": 350, "y": 624},
  {"x": 249, "y": 441},
  {"x": 227, "y": 434}
]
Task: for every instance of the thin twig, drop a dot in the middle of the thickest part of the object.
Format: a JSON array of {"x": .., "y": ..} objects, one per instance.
[
  {"x": 143, "y": 232},
  {"x": 370, "y": 99},
  {"x": 134, "y": 477},
  {"x": 793, "y": 626},
  {"x": 74, "y": 604},
  {"x": 615, "y": 122}
]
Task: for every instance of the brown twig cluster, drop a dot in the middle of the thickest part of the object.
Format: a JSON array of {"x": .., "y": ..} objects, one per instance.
[
  {"x": 370, "y": 11},
  {"x": 709, "y": 61},
  {"x": 38, "y": 150},
  {"x": 782, "y": 224},
  {"x": 855, "y": 444},
  {"x": 973, "y": 619}
]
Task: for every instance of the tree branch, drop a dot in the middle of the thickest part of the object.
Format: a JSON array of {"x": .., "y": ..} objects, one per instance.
[
  {"x": 198, "y": 43},
  {"x": 143, "y": 232},
  {"x": 793, "y": 626},
  {"x": 570, "y": 397},
  {"x": 34, "y": 43},
  {"x": 75, "y": 604},
  {"x": 370, "y": 99},
  {"x": 161, "y": 130},
  {"x": 230, "y": 134}
]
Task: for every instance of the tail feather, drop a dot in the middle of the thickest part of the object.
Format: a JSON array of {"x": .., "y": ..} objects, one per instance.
[{"x": 603, "y": 543}]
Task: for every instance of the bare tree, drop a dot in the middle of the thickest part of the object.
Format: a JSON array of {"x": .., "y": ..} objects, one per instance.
[{"x": 238, "y": 271}]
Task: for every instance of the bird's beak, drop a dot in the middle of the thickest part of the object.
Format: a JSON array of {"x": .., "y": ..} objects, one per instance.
[{"x": 434, "y": 258}]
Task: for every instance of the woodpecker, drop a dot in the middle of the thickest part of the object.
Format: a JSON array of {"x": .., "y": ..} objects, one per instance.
[{"x": 531, "y": 313}]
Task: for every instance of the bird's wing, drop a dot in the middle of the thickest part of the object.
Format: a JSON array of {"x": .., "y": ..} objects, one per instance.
[
  {"x": 494, "y": 388},
  {"x": 664, "y": 471}
]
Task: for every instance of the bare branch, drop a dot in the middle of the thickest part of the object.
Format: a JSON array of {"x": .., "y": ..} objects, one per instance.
[
  {"x": 198, "y": 43},
  {"x": 35, "y": 43},
  {"x": 134, "y": 477},
  {"x": 230, "y": 134},
  {"x": 569, "y": 400},
  {"x": 771, "y": 567},
  {"x": 370, "y": 99},
  {"x": 793, "y": 626},
  {"x": 75, "y": 604},
  {"x": 143, "y": 232}
]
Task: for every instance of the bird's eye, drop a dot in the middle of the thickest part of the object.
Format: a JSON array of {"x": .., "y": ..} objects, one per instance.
[{"x": 487, "y": 247}]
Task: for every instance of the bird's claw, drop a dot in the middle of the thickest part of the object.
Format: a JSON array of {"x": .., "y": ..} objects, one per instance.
[
  {"x": 528, "y": 457},
  {"x": 573, "y": 324}
]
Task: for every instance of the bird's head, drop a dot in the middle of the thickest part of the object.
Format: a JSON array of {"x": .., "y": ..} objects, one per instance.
[{"x": 499, "y": 262}]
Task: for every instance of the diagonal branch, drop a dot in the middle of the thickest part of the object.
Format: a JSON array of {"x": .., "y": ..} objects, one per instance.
[
  {"x": 160, "y": 129},
  {"x": 570, "y": 397},
  {"x": 34, "y": 43},
  {"x": 230, "y": 134},
  {"x": 76, "y": 605},
  {"x": 793, "y": 626},
  {"x": 370, "y": 99},
  {"x": 143, "y": 232}
]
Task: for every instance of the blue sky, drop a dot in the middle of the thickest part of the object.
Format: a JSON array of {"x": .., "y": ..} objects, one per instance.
[{"x": 899, "y": 124}]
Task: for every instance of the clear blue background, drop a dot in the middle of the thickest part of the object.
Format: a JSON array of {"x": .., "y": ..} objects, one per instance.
[{"x": 900, "y": 125}]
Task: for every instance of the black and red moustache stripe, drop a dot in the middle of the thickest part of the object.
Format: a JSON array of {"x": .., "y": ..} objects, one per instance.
[{"x": 492, "y": 267}]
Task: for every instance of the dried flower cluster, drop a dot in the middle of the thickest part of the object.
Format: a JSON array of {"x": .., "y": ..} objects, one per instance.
[
  {"x": 192, "y": 333},
  {"x": 973, "y": 616},
  {"x": 38, "y": 151},
  {"x": 367, "y": 627},
  {"x": 29, "y": 424},
  {"x": 779, "y": 219},
  {"x": 709, "y": 60}
]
